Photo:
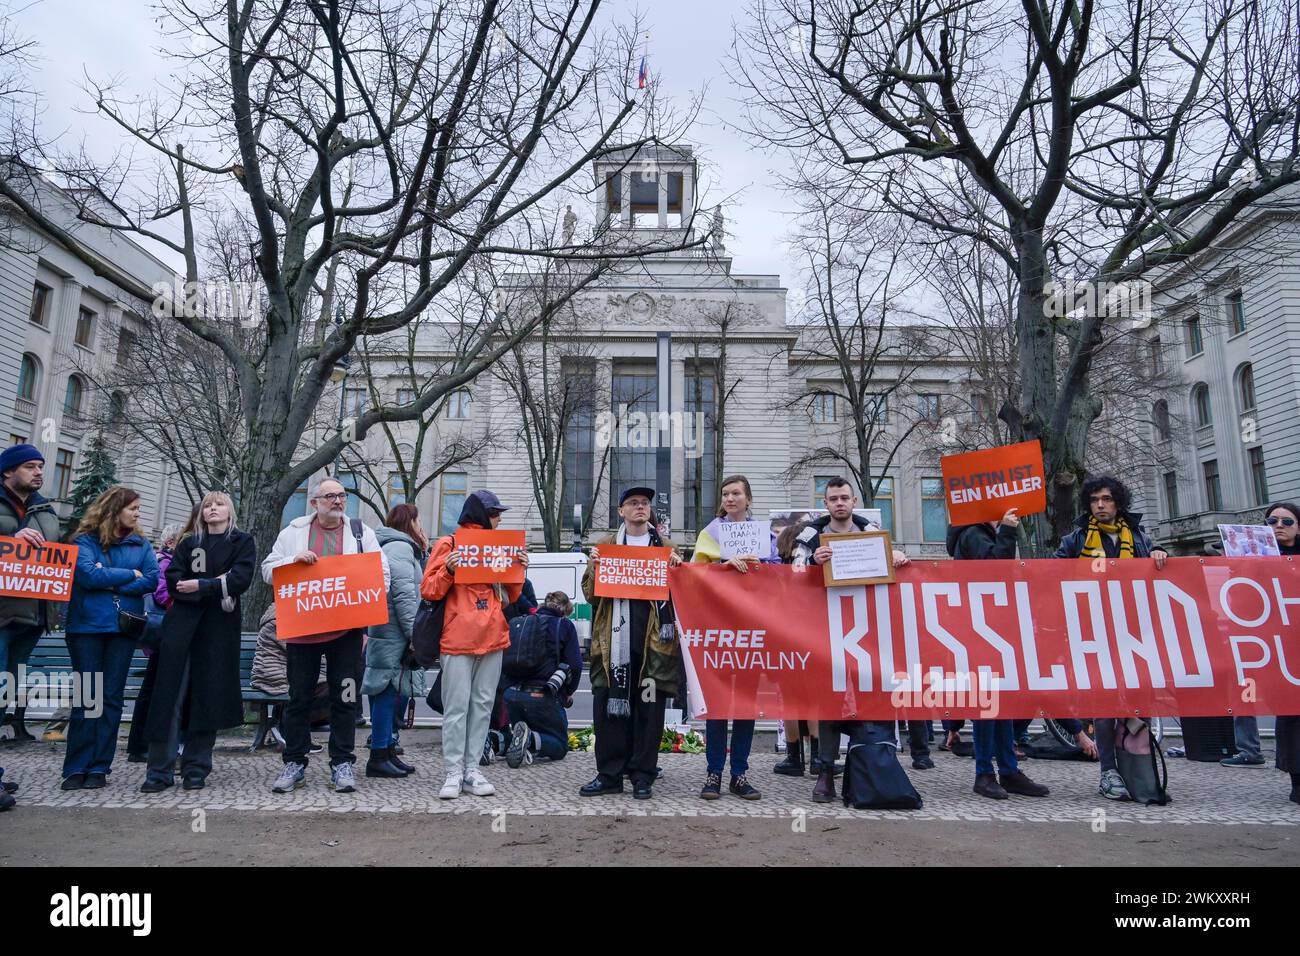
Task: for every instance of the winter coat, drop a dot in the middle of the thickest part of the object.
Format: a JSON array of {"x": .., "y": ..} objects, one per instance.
[
  {"x": 91, "y": 609},
  {"x": 562, "y": 647},
  {"x": 473, "y": 618},
  {"x": 39, "y": 514},
  {"x": 810, "y": 538},
  {"x": 388, "y": 642},
  {"x": 660, "y": 662},
  {"x": 197, "y": 632},
  {"x": 980, "y": 542},
  {"x": 161, "y": 596},
  {"x": 1072, "y": 544},
  {"x": 269, "y": 675}
]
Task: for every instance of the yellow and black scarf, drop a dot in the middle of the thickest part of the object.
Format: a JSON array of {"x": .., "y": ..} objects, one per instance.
[{"x": 1092, "y": 541}]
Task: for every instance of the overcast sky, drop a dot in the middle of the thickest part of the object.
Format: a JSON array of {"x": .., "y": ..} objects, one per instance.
[{"x": 687, "y": 44}]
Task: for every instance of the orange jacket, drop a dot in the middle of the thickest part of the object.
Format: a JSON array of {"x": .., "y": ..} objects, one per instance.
[{"x": 473, "y": 621}]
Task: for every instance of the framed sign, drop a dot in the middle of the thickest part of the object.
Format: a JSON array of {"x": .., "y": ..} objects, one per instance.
[{"x": 862, "y": 557}]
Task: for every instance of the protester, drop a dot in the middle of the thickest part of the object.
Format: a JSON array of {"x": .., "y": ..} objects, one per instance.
[
  {"x": 536, "y": 701},
  {"x": 633, "y": 663},
  {"x": 736, "y": 502},
  {"x": 198, "y": 660},
  {"x": 391, "y": 675},
  {"x": 115, "y": 569},
  {"x": 840, "y": 519},
  {"x": 994, "y": 739},
  {"x": 137, "y": 747},
  {"x": 1284, "y": 518},
  {"x": 796, "y": 731},
  {"x": 474, "y": 634},
  {"x": 326, "y": 532},
  {"x": 498, "y": 738},
  {"x": 1107, "y": 529},
  {"x": 25, "y": 515}
]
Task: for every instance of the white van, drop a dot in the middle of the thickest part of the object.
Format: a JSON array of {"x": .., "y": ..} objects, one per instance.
[{"x": 562, "y": 571}]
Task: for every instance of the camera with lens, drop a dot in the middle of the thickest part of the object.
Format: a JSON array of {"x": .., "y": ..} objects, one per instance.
[{"x": 558, "y": 679}]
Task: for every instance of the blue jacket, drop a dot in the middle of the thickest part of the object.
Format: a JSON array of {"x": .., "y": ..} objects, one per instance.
[{"x": 91, "y": 609}]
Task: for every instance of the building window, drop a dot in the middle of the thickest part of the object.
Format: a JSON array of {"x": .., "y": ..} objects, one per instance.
[
  {"x": 455, "y": 488},
  {"x": 1258, "y": 476},
  {"x": 884, "y": 500},
  {"x": 405, "y": 396},
  {"x": 1236, "y": 312},
  {"x": 633, "y": 389},
  {"x": 823, "y": 408},
  {"x": 1157, "y": 351},
  {"x": 983, "y": 407},
  {"x": 40, "y": 305},
  {"x": 458, "y": 403},
  {"x": 295, "y": 507},
  {"x": 354, "y": 402},
  {"x": 127, "y": 343},
  {"x": 28, "y": 378},
  {"x": 645, "y": 191},
  {"x": 396, "y": 489},
  {"x": 927, "y": 407},
  {"x": 819, "y": 490},
  {"x": 62, "y": 473},
  {"x": 348, "y": 480},
  {"x": 1201, "y": 405},
  {"x": 1246, "y": 388},
  {"x": 875, "y": 408},
  {"x": 701, "y": 461},
  {"x": 1160, "y": 418},
  {"x": 1192, "y": 330},
  {"x": 85, "y": 333},
  {"x": 578, "y": 481},
  {"x": 74, "y": 397},
  {"x": 1171, "y": 494},
  {"x": 17, "y": 439},
  {"x": 1213, "y": 491},
  {"x": 117, "y": 410},
  {"x": 934, "y": 515}
]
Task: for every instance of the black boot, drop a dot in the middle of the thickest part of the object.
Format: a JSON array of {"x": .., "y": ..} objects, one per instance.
[
  {"x": 380, "y": 765},
  {"x": 792, "y": 765},
  {"x": 814, "y": 757},
  {"x": 824, "y": 791},
  {"x": 397, "y": 762}
]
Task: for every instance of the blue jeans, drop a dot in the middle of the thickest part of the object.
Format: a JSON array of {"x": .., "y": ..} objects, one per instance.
[
  {"x": 1246, "y": 730},
  {"x": 545, "y": 715},
  {"x": 16, "y": 643},
  {"x": 92, "y": 741},
  {"x": 382, "y": 709},
  {"x": 715, "y": 745},
  {"x": 994, "y": 739}
]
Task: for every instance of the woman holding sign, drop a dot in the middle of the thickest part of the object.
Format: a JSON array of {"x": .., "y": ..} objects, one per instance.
[
  {"x": 115, "y": 569},
  {"x": 718, "y": 543},
  {"x": 198, "y": 661},
  {"x": 1284, "y": 519}
]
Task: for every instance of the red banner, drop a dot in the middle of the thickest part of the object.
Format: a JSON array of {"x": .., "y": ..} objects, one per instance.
[{"x": 1004, "y": 639}]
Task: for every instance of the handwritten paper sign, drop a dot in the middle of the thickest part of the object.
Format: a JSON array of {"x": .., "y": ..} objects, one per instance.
[
  {"x": 632, "y": 571},
  {"x": 490, "y": 557},
  {"x": 334, "y": 594},
  {"x": 738, "y": 538},
  {"x": 984, "y": 485},
  {"x": 44, "y": 572}
]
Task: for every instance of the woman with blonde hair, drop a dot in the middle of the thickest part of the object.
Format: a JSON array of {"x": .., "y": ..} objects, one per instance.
[
  {"x": 116, "y": 567},
  {"x": 198, "y": 662}
]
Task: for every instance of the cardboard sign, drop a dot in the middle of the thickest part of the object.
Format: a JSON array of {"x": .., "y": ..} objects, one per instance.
[
  {"x": 632, "y": 571},
  {"x": 1248, "y": 541},
  {"x": 334, "y": 594},
  {"x": 739, "y": 538},
  {"x": 863, "y": 557},
  {"x": 490, "y": 557},
  {"x": 43, "y": 573},
  {"x": 984, "y": 485}
]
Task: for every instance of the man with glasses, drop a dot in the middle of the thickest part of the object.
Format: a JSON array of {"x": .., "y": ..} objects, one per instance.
[
  {"x": 1105, "y": 530},
  {"x": 323, "y": 533}
]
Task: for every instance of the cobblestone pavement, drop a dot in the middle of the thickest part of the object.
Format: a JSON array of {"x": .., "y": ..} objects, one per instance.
[{"x": 1203, "y": 793}]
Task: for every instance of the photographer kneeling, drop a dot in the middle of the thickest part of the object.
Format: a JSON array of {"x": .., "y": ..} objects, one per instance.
[{"x": 543, "y": 666}]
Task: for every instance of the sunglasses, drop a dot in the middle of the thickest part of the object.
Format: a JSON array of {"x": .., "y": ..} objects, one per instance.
[{"x": 1284, "y": 522}]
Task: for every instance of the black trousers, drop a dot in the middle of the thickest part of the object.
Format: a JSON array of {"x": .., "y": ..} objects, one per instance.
[
  {"x": 342, "y": 665},
  {"x": 858, "y": 731},
  {"x": 628, "y": 744},
  {"x": 917, "y": 738},
  {"x": 135, "y": 741}
]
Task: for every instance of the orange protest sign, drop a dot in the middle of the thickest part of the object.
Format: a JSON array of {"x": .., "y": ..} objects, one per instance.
[
  {"x": 984, "y": 485},
  {"x": 334, "y": 594},
  {"x": 490, "y": 557},
  {"x": 632, "y": 571},
  {"x": 44, "y": 572}
]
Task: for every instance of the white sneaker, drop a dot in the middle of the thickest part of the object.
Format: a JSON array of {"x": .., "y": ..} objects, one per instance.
[
  {"x": 477, "y": 784},
  {"x": 451, "y": 786}
]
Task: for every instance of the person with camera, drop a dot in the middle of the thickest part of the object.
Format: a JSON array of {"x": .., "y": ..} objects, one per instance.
[{"x": 536, "y": 700}]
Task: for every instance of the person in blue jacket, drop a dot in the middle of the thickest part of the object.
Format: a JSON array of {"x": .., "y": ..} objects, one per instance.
[{"x": 116, "y": 567}]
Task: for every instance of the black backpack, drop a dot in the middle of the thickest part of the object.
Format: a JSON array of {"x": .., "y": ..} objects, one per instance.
[
  {"x": 426, "y": 632},
  {"x": 875, "y": 780},
  {"x": 530, "y": 647}
]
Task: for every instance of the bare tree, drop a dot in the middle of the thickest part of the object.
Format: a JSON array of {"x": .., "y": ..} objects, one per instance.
[
  {"x": 458, "y": 127},
  {"x": 1071, "y": 139}
]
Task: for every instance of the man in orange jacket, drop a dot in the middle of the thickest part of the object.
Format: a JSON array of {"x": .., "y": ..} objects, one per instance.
[{"x": 474, "y": 636}]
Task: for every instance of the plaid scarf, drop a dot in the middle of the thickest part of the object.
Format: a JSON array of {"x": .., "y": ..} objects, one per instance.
[{"x": 1093, "y": 546}]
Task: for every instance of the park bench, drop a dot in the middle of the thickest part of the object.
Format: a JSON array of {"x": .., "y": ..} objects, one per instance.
[{"x": 50, "y": 657}]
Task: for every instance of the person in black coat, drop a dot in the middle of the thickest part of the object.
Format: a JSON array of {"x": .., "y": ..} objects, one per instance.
[
  {"x": 1284, "y": 518},
  {"x": 198, "y": 666}
]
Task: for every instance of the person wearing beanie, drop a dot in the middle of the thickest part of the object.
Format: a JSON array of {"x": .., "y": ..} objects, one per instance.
[{"x": 27, "y": 516}]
